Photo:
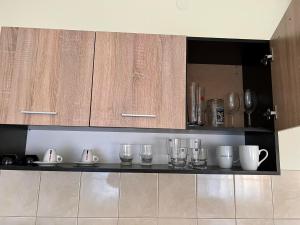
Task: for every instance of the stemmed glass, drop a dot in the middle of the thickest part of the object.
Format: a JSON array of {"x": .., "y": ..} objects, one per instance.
[
  {"x": 234, "y": 104},
  {"x": 250, "y": 103}
]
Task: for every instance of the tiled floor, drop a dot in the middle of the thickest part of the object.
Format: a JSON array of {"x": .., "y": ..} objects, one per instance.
[{"x": 63, "y": 198}]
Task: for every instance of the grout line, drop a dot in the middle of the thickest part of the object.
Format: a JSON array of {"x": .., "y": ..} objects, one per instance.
[
  {"x": 157, "y": 183},
  {"x": 119, "y": 195},
  {"x": 272, "y": 192},
  {"x": 38, "y": 197},
  {"x": 157, "y": 198},
  {"x": 196, "y": 194},
  {"x": 79, "y": 191},
  {"x": 234, "y": 196}
]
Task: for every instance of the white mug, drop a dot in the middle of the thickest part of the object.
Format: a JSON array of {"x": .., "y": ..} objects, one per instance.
[
  {"x": 88, "y": 156},
  {"x": 249, "y": 156},
  {"x": 51, "y": 156},
  {"x": 224, "y": 155}
]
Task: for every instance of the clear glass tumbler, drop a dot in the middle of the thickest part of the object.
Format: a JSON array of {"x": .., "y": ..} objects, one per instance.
[
  {"x": 199, "y": 158},
  {"x": 146, "y": 155},
  {"x": 126, "y": 154},
  {"x": 179, "y": 157}
]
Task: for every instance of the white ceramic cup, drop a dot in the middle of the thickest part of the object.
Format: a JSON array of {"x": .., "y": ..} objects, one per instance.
[
  {"x": 249, "y": 156},
  {"x": 52, "y": 157},
  {"x": 224, "y": 156},
  {"x": 88, "y": 156}
]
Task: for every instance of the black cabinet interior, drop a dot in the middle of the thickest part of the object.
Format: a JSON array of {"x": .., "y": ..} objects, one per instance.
[
  {"x": 256, "y": 76},
  {"x": 13, "y": 140}
]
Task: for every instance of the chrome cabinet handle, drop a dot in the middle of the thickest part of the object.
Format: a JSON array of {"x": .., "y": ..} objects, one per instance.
[
  {"x": 137, "y": 115},
  {"x": 37, "y": 112}
]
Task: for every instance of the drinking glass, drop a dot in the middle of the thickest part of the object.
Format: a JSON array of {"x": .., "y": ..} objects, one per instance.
[
  {"x": 199, "y": 158},
  {"x": 126, "y": 154},
  {"x": 173, "y": 146},
  {"x": 192, "y": 103},
  {"x": 179, "y": 157},
  {"x": 146, "y": 155},
  {"x": 169, "y": 150},
  {"x": 233, "y": 101},
  {"x": 250, "y": 103},
  {"x": 200, "y": 106}
]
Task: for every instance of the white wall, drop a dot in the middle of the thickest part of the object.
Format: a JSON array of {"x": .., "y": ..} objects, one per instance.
[
  {"x": 289, "y": 145},
  {"x": 255, "y": 19}
]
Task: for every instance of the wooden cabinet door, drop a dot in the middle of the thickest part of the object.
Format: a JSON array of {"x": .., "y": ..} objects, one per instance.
[
  {"x": 45, "y": 76},
  {"x": 286, "y": 68},
  {"x": 139, "y": 81}
]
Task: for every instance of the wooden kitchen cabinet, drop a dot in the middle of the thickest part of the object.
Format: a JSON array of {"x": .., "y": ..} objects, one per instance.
[
  {"x": 120, "y": 81},
  {"x": 286, "y": 68},
  {"x": 45, "y": 76},
  {"x": 139, "y": 81}
]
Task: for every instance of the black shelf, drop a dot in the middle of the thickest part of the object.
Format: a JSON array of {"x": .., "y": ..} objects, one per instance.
[
  {"x": 156, "y": 168},
  {"x": 227, "y": 130},
  {"x": 190, "y": 129}
]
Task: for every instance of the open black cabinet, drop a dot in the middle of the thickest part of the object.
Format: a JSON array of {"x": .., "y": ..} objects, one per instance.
[{"x": 224, "y": 65}]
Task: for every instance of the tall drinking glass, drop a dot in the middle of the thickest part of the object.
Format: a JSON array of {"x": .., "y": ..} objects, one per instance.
[
  {"x": 233, "y": 101},
  {"x": 250, "y": 104}
]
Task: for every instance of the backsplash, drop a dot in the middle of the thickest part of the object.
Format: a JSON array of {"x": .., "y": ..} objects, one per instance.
[
  {"x": 73, "y": 198},
  {"x": 70, "y": 144}
]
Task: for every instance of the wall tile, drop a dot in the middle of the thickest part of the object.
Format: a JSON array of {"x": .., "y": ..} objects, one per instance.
[
  {"x": 253, "y": 197},
  {"x": 177, "y": 195},
  {"x": 137, "y": 221},
  {"x": 254, "y": 221},
  {"x": 138, "y": 190},
  {"x": 99, "y": 195},
  {"x": 97, "y": 221},
  {"x": 17, "y": 220},
  {"x": 216, "y": 222},
  {"x": 56, "y": 221},
  {"x": 215, "y": 196},
  {"x": 19, "y": 193},
  {"x": 163, "y": 221},
  {"x": 59, "y": 194},
  {"x": 287, "y": 222},
  {"x": 286, "y": 195}
]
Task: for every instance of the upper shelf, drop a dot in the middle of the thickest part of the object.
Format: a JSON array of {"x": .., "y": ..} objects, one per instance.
[
  {"x": 191, "y": 129},
  {"x": 227, "y": 130}
]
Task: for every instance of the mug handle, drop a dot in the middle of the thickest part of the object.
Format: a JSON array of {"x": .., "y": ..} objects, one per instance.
[
  {"x": 59, "y": 158},
  {"x": 267, "y": 154},
  {"x": 95, "y": 158}
]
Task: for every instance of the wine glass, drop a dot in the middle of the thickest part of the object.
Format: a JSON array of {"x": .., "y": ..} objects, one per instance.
[
  {"x": 250, "y": 103},
  {"x": 234, "y": 104}
]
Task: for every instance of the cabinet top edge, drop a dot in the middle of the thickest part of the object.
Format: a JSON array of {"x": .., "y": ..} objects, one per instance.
[
  {"x": 93, "y": 31},
  {"x": 235, "y": 40}
]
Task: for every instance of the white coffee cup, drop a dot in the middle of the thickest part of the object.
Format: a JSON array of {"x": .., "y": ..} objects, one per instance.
[
  {"x": 249, "y": 156},
  {"x": 88, "y": 156},
  {"x": 52, "y": 157},
  {"x": 224, "y": 156}
]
